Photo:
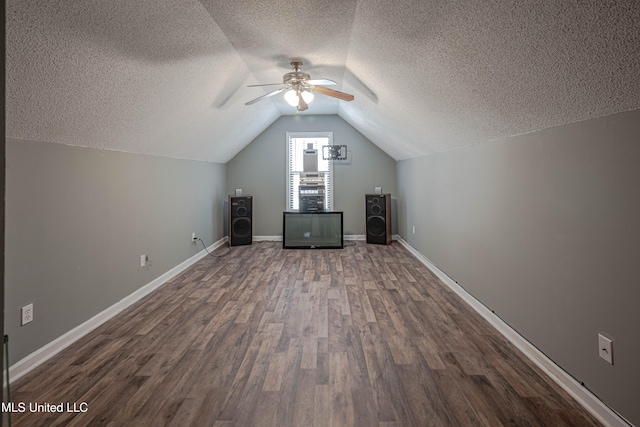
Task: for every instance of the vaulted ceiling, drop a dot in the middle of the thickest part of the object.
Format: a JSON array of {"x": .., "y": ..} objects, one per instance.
[{"x": 169, "y": 77}]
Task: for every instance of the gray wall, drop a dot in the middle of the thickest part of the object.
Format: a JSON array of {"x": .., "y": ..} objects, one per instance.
[
  {"x": 543, "y": 228},
  {"x": 77, "y": 221},
  {"x": 260, "y": 169}
]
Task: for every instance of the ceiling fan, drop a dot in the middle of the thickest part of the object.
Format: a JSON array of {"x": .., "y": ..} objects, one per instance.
[{"x": 299, "y": 87}]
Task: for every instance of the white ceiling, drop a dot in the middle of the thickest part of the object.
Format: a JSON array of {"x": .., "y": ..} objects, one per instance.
[{"x": 169, "y": 77}]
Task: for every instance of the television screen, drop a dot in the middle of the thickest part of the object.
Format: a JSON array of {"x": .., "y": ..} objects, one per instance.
[{"x": 312, "y": 230}]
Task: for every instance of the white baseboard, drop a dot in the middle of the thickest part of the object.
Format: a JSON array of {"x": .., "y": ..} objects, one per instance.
[
  {"x": 354, "y": 237},
  {"x": 267, "y": 238},
  {"x": 584, "y": 397},
  {"x": 33, "y": 360},
  {"x": 279, "y": 238}
]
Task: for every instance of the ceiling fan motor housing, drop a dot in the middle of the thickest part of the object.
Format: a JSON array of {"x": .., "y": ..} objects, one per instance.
[{"x": 295, "y": 77}]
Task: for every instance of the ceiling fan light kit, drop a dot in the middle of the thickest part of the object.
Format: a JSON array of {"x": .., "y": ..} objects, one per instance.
[
  {"x": 299, "y": 87},
  {"x": 291, "y": 96}
]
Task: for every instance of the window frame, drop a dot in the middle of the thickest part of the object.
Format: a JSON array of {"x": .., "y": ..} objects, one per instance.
[{"x": 329, "y": 180}]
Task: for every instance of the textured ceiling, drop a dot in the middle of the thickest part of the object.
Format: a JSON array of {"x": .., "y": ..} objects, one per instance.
[{"x": 169, "y": 77}]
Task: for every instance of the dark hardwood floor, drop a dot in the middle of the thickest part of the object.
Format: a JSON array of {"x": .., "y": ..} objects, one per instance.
[{"x": 363, "y": 336}]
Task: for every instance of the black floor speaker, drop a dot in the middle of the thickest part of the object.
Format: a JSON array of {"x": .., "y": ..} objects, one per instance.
[
  {"x": 378, "y": 209},
  {"x": 240, "y": 220}
]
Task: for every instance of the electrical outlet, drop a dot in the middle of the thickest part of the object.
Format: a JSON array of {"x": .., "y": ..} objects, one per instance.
[
  {"x": 605, "y": 348},
  {"x": 193, "y": 237},
  {"x": 143, "y": 260},
  {"x": 414, "y": 229},
  {"x": 27, "y": 314}
]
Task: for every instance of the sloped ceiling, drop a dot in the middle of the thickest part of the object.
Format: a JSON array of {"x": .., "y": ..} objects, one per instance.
[{"x": 169, "y": 77}]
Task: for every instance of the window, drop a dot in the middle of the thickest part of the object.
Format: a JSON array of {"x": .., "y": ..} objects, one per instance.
[{"x": 297, "y": 143}]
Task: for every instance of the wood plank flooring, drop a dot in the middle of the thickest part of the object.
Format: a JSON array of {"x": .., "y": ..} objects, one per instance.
[{"x": 363, "y": 336}]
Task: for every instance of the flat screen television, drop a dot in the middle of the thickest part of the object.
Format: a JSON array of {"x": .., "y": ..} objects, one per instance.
[{"x": 312, "y": 230}]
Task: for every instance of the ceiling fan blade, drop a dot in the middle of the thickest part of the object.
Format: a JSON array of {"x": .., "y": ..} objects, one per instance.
[
  {"x": 324, "y": 82},
  {"x": 301, "y": 104},
  {"x": 260, "y": 98},
  {"x": 334, "y": 93},
  {"x": 266, "y": 84}
]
